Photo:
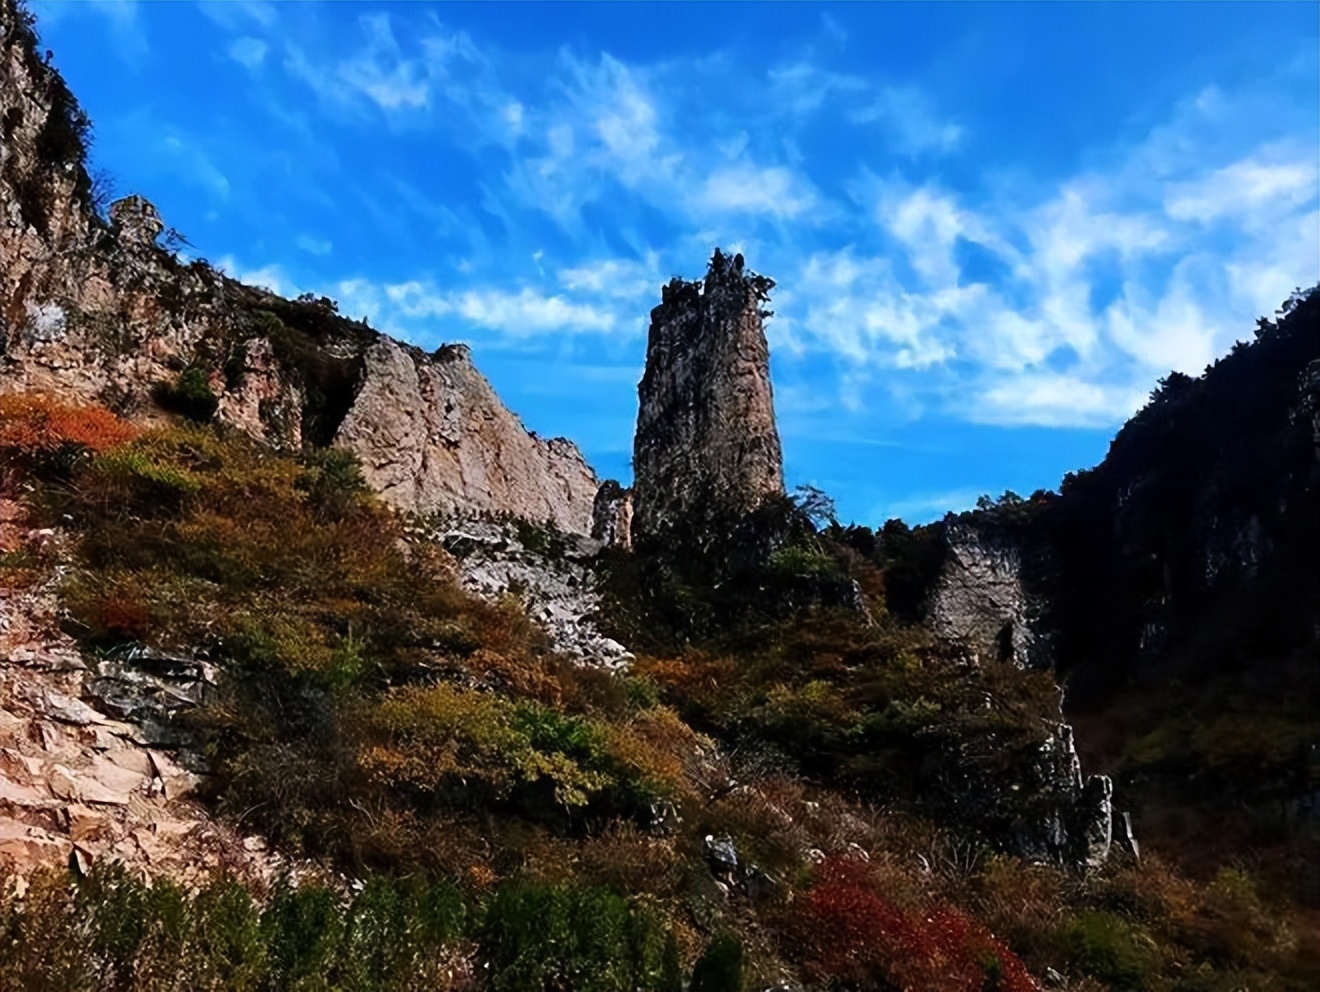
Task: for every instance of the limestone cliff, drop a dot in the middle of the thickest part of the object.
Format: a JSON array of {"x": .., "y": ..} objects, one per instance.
[
  {"x": 979, "y": 601},
  {"x": 432, "y": 435},
  {"x": 95, "y": 308},
  {"x": 706, "y": 437}
]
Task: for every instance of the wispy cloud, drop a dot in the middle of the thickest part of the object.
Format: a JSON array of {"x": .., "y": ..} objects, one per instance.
[
  {"x": 596, "y": 299},
  {"x": 1024, "y": 297},
  {"x": 121, "y": 16},
  {"x": 908, "y": 121},
  {"x": 248, "y": 52},
  {"x": 269, "y": 277},
  {"x": 315, "y": 246},
  {"x": 1063, "y": 311}
]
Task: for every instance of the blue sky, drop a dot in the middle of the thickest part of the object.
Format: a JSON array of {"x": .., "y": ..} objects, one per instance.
[{"x": 994, "y": 226}]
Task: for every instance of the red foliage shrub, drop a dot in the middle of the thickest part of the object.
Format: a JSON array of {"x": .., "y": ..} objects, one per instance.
[
  {"x": 852, "y": 936},
  {"x": 35, "y": 428}
]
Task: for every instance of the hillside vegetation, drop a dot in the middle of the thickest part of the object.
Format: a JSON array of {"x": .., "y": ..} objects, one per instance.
[{"x": 524, "y": 823}]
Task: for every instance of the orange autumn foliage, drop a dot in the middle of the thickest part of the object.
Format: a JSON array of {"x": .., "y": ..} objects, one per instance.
[{"x": 33, "y": 427}]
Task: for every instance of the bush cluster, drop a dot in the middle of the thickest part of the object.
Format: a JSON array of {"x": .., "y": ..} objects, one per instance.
[
  {"x": 109, "y": 931},
  {"x": 189, "y": 395},
  {"x": 42, "y": 435}
]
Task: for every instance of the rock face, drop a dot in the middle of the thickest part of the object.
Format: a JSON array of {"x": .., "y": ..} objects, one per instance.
[
  {"x": 97, "y": 310},
  {"x": 612, "y": 515},
  {"x": 433, "y": 436},
  {"x": 549, "y": 571},
  {"x": 1077, "y": 826},
  {"x": 706, "y": 439},
  {"x": 89, "y": 763},
  {"x": 979, "y": 602}
]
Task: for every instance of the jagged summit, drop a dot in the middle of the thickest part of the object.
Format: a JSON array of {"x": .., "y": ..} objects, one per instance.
[{"x": 706, "y": 436}]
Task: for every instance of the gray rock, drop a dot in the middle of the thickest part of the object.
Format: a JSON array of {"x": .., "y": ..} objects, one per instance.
[
  {"x": 1095, "y": 820},
  {"x": 433, "y": 436},
  {"x": 979, "y": 602},
  {"x": 136, "y": 221},
  {"x": 721, "y": 854},
  {"x": 556, "y": 583},
  {"x": 1128, "y": 838},
  {"x": 706, "y": 429},
  {"x": 612, "y": 514}
]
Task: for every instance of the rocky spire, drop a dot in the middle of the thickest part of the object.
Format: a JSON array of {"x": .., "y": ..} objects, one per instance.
[{"x": 706, "y": 441}]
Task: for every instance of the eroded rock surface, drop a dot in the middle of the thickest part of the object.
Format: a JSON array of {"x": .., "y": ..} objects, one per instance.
[
  {"x": 550, "y": 572},
  {"x": 1078, "y": 823},
  {"x": 979, "y": 602},
  {"x": 612, "y": 515},
  {"x": 88, "y": 765},
  {"x": 433, "y": 437},
  {"x": 706, "y": 438}
]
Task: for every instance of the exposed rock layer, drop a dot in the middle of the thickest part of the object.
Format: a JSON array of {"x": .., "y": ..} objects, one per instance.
[
  {"x": 979, "y": 601},
  {"x": 88, "y": 763},
  {"x": 432, "y": 435},
  {"x": 550, "y": 572},
  {"x": 706, "y": 438}
]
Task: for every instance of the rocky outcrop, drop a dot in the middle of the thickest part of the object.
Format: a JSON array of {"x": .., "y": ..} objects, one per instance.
[
  {"x": 551, "y": 573},
  {"x": 706, "y": 443},
  {"x": 979, "y": 602},
  {"x": 89, "y": 763},
  {"x": 612, "y": 514},
  {"x": 1077, "y": 823},
  {"x": 96, "y": 309},
  {"x": 432, "y": 436}
]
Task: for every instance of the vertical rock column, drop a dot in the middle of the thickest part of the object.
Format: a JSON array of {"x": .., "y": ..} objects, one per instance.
[{"x": 706, "y": 444}]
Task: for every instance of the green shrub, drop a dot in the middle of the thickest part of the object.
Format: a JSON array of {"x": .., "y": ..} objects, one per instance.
[
  {"x": 230, "y": 949},
  {"x": 671, "y": 967},
  {"x": 720, "y": 967},
  {"x": 303, "y": 928},
  {"x": 190, "y": 395},
  {"x": 398, "y": 935},
  {"x": 1112, "y": 949},
  {"x": 802, "y": 562},
  {"x": 332, "y": 480},
  {"x": 546, "y": 938}
]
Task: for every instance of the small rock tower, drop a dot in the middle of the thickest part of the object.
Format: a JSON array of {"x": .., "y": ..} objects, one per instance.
[{"x": 706, "y": 446}]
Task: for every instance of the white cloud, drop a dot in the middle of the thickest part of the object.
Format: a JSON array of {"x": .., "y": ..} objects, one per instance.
[
  {"x": 924, "y": 507},
  {"x": 237, "y": 15},
  {"x": 268, "y": 277},
  {"x": 528, "y": 312},
  {"x": 381, "y": 72},
  {"x": 314, "y": 246},
  {"x": 129, "y": 39},
  {"x": 1052, "y": 300},
  {"x": 195, "y": 164},
  {"x": 801, "y": 88},
  {"x": 1246, "y": 189},
  {"x": 772, "y": 191},
  {"x": 1080, "y": 298},
  {"x": 907, "y": 118},
  {"x": 248, "y": 52},
  {"x": 412, "y": 307},
  {"x": 618, "y": 278},
  {"x": 1052, "y": 400}
]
